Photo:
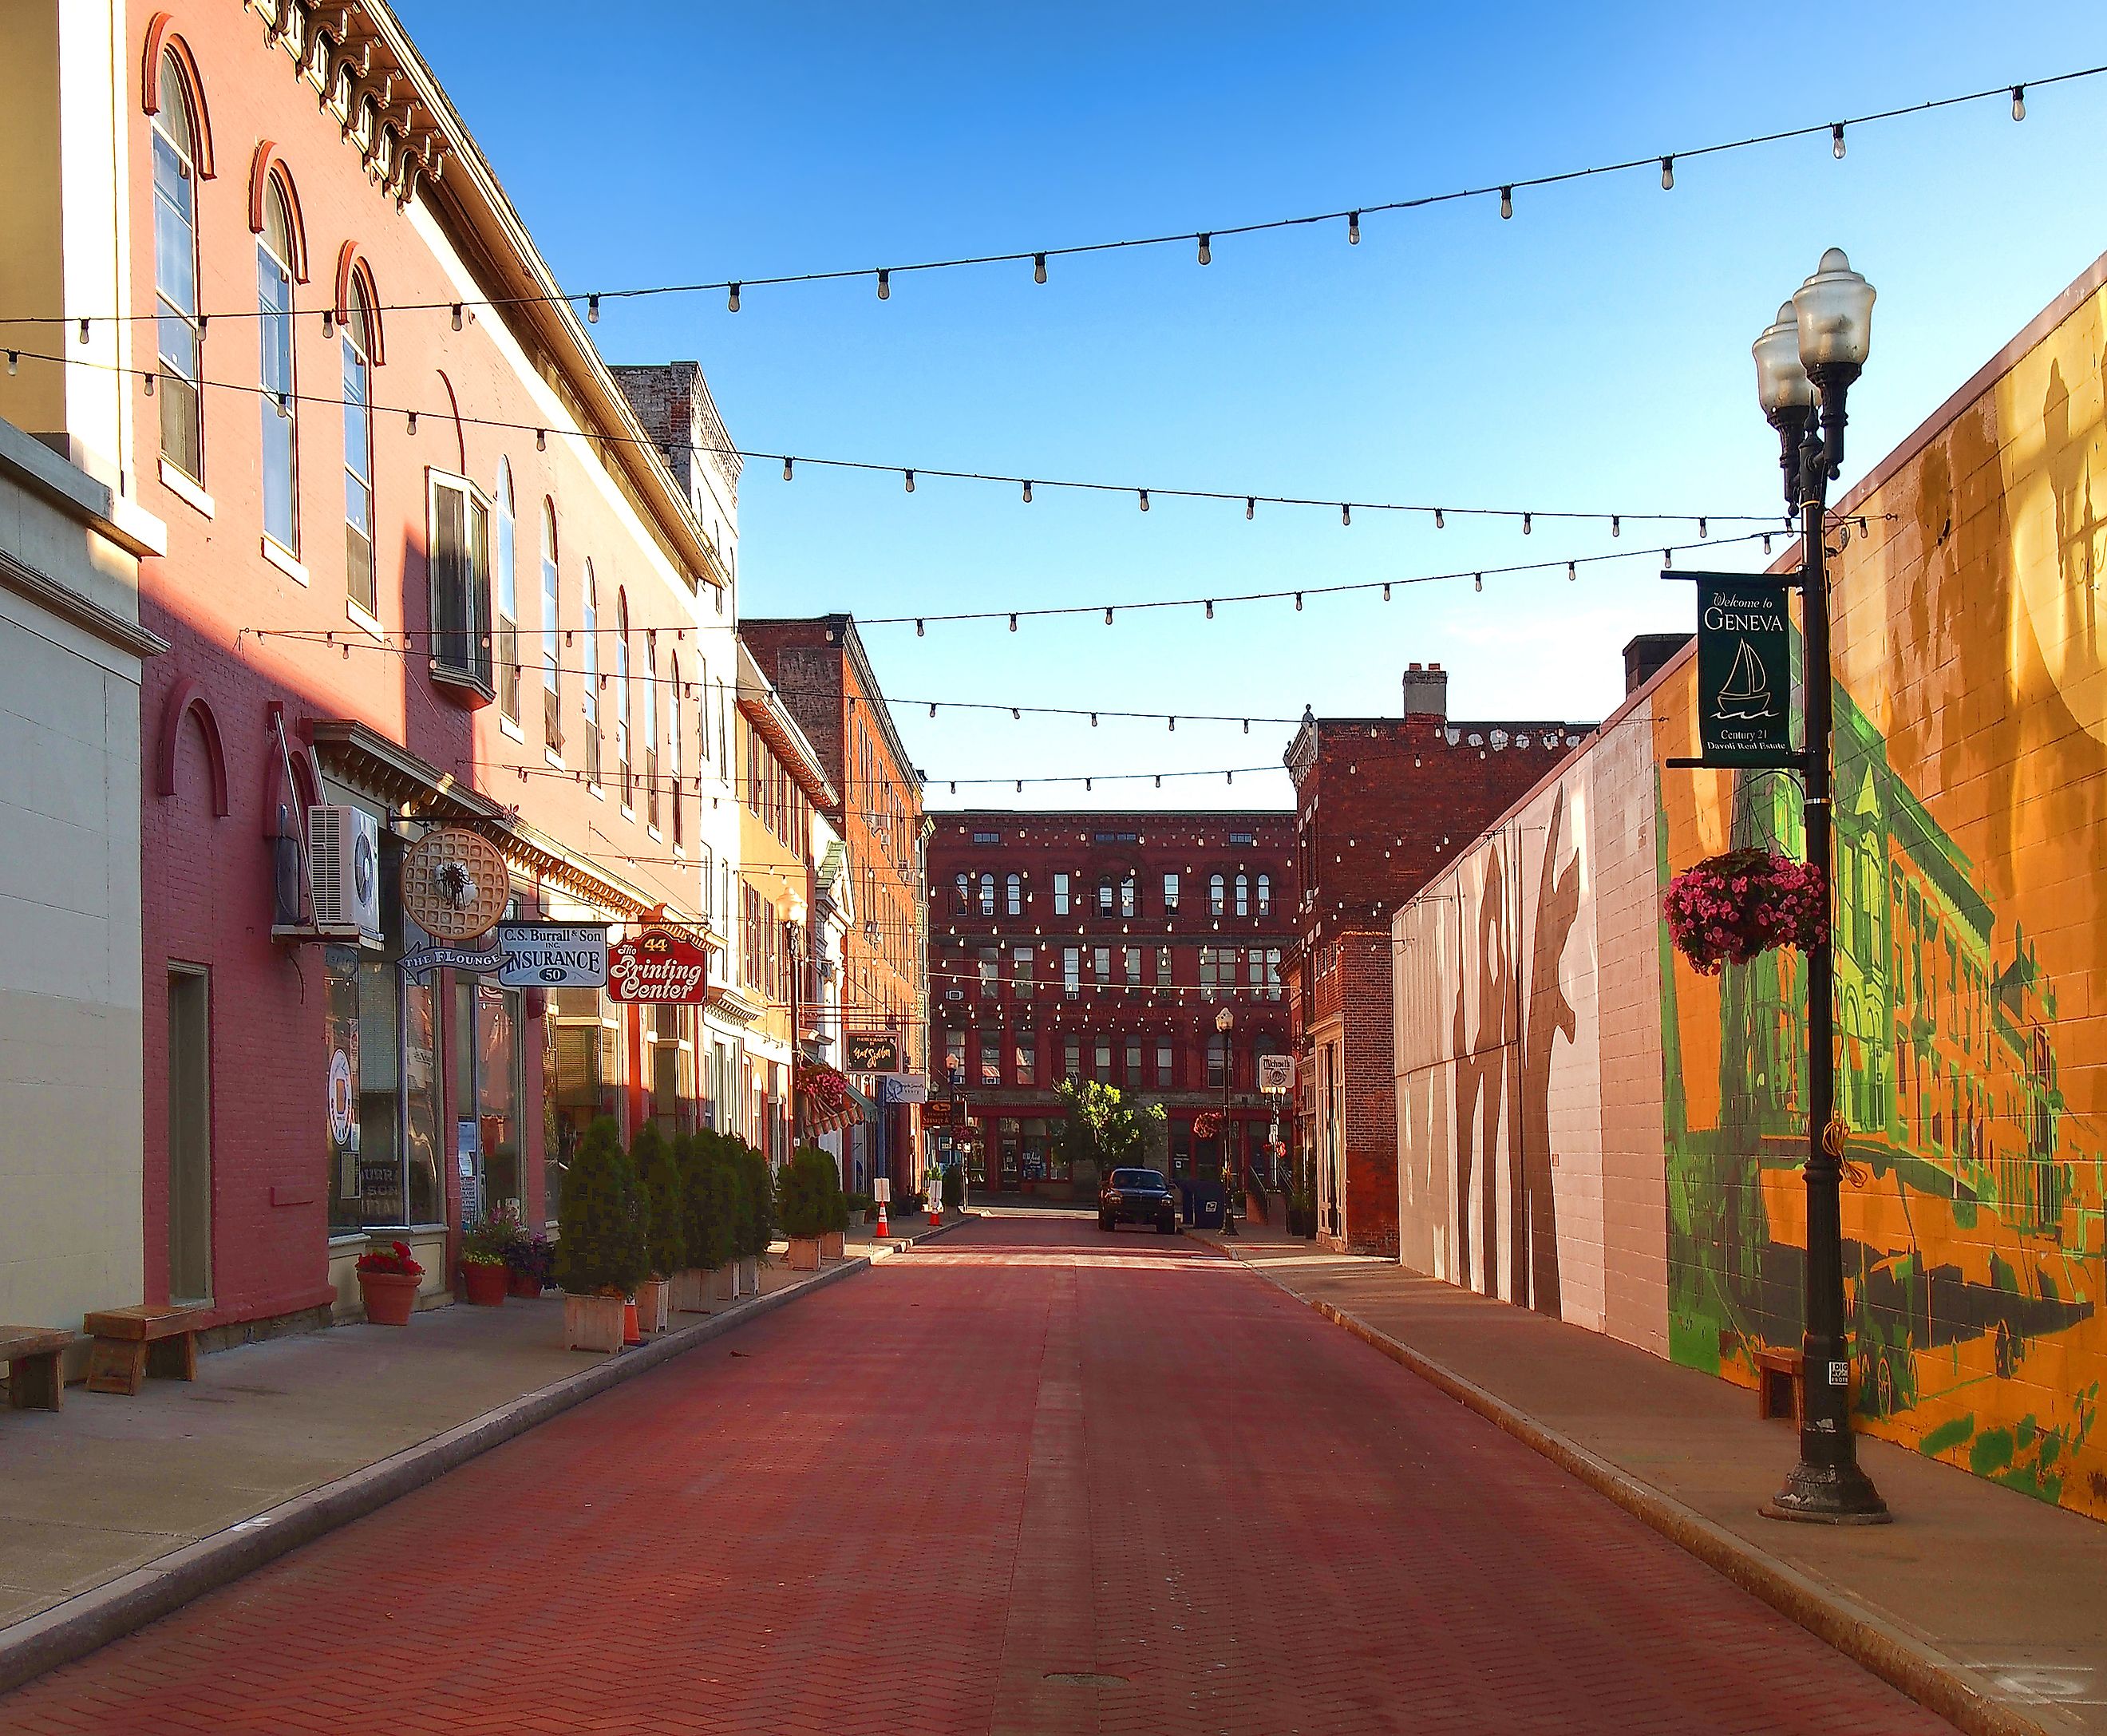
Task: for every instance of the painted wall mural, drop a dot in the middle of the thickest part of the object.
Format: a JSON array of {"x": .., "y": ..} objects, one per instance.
[{"x": 1563, "y": 1078}]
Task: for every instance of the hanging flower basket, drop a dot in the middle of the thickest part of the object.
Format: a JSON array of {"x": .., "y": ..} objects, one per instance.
[
  {"x": 824, "y": 1089},
  {"x": 1730, "y": 908},
  {"x": 1206, "y": 1124}
]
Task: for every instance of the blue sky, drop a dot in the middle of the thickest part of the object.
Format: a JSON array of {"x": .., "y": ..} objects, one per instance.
[{"x": 1593, "y": 352}]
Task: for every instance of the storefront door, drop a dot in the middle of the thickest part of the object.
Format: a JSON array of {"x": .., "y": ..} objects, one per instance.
[{"x": 487, "y": 1086}]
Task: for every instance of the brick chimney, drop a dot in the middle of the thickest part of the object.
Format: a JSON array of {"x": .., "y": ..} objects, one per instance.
[
  {"x": 1426, "y": 691},
  {"x": 1645, "y": 656}
]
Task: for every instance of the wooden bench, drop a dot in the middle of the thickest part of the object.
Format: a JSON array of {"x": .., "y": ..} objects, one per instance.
[
  {"x": 32, "y": 1356},
  {"x": 131, "y": 1343}
]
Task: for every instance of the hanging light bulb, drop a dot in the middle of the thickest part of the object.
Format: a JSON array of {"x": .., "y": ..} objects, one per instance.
[
  {"x": 920, "y": 631},
  {"x": 541, "y": 439},
  {"x": 1039, "y": 268},
  {"x": 1012, "y": 623},
  {"x": 1837, "y": 140},
  {"x": 1346, "y": 514},
  {"x": 1159, "y": 780},
  {"x": 1027, "y": 494},
  {"x": 1144, "y": 494},
  {"x": 1020, "y": 786},
  {"x": 885, "y": 285},
  {"x": 1174, "y": 725},
  {"x": 1353, "y": 228},
  {"x": 1668, "y": 557},
  {"x": 1528, "y": 524},
  {"x": 329, "y": 322},
  {"x": 1250, "y": 506},
  {"x": 954, "y": 790},
  {"x": 1570, "y": 574},
  {"x": 1385, "y": 593},
  {"x": 1087, "y": 786},
  {"x": 1701, "y": 530},
  {"x": 1108, "y": 618},
  {"x": 786, "y": 469},
  {"x": 1767, "y": 542},
  {"x": 146, "y": 379},
  {"x": 83, "y": 332},
  {"x": 1015, "y": 715},
  {"x": 731, "y": 298},
  {"x": 1477, "y": 580},
  {"x": 1617, "y": 524},
  {"x": 15, "y": 361},
  {"x": 457, "y": 316},
  {"x": 412, "y": 414},
  {"x": 1210, "y": 609},
  {"x": 592, "y": 312},
  {"x": 1228, "y": 777},
  {"x": 1207, "y": 254},
  {"x": 2019, "y": 103},
  {"x": 1093, "y": 719},
  {"x": 932, "y": 707},
  {"x": 1298, "y": 602},
  {"x": 1246, "y": 726},
  {"x": 1440, "y": 519},
  {"x": 911, "y": 481},
  {"x": 1507, "y": 201}
]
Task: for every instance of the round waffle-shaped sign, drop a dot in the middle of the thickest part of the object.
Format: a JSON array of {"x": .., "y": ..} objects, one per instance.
[{"x": 455, "y": 885}]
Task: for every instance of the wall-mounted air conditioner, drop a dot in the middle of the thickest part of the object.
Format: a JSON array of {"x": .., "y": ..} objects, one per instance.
[{"x": 343, "y": 866}]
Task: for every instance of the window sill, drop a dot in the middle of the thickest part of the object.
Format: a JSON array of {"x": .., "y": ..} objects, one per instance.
[
  {"x": 284, "y": 559},
  {"x": 509, "y": 728},
  {"x": 598, "y": 792},
  {"x": 459, "y": 687},
  {"x": 654, "y": 834},
  {"x": 554, "y": 758},
  {"x": 184, "y": 490},
  {"x": 366, "y": 619}
]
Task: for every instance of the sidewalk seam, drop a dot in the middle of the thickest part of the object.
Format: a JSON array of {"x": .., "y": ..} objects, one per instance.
[
  {"x": 1916, "y": 1669},
  {"x": 92, "y": 1619}
]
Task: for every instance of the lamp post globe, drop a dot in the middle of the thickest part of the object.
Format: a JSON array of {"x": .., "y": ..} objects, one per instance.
[
  {"x": 1834, "y": 310},
  {"x": 1782, "y": 383}
]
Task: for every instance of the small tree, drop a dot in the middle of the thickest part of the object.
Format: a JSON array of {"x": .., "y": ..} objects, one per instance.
[
  {"x": 1108, "y": 1130},
  {"x": 663, "y": 1210},
  {"x": 955, "y": 1188},
  {"x": 709, "y": 1198},
  {"x": 602, "y": 1250},
  {"x": 806, "y": 1193},
  {"x": 756, "y": 1202}
]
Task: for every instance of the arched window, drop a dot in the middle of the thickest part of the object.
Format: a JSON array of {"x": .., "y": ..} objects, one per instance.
[
  {"x": 1015, "y": 888},
  {"x": 589, "y": 641},
  {"x": 179, "y": 340},
  {"x": 1265, "y": 895},
  {"x": 1243, "y": 895},
  {"x": 965, "y": 892},
  {"x": 673, "y": 743},
  {"x": 552, "y": 728},
  {"x": 359, "y": 347},
  {"x": 508, "y": 594},
  {"x": 650, "y": 731},
  {"x": 1217, "y": 902},
  {"x": 1130, "y": 895},
  {"x": 275, "y": 256},
  {"x": 624, "y": 769},
  {"x": 702, "y": 714},
  {"x": 987, "y": 895}
]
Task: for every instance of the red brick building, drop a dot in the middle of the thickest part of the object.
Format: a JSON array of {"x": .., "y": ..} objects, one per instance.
[
  {"x": 1381, "y": 803},
  {"x": 1095, "y": 946}
]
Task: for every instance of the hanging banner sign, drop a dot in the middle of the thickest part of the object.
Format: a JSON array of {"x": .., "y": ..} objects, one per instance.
[
  {"x": 552, "y": 955},
  {"x": 873, "y": 1052},
  {"x": 659, "y": 968},
  {"x": 1744, "y": 672},
  {"x": 448, "y": 958}
]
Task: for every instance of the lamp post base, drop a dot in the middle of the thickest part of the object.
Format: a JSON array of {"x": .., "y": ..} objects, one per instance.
[{"x": 1828, "y": 1494}]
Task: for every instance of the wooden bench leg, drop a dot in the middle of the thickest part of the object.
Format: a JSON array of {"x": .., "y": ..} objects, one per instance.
[
  {"x": 173, "y": 1359},
  {"x": 117, "y": 1365},
  {"x": 35, "y": 1383}
]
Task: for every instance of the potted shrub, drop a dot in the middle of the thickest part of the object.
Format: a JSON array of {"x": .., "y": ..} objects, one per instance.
[
  {"x": 756, "y": 1214},
  {"x": 388, "y": 1280},
  {"x": 529, "y": 1259},
  {"x": 801, "y": 1205},
  {"x": 710, "y": 1200},
  {"x": 833, "y": 1244},
  {"x": 665, "y": 1225},
  {"x": 954, "y": 1193},
  {"x": 484, "y": 1269},
  {"x": 599, "y": 1254}
]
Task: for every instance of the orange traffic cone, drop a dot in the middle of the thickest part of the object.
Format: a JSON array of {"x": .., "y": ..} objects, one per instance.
[
  {"x": 936, "y": 1210},
  {"x": 630, "y": 1334},
  {"x": 884, "y": 1229}
]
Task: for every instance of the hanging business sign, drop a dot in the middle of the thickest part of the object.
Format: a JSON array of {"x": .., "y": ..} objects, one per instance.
[
  {"x": 873, "y": 1052},
  {"x": 1276, "y": 1074},
  {"x": 1744, "y": 672},
  {"x": 415, "y": 962},
  {"x": 906, "y": 1088},
  {"x": 552, "y": 955},
  {"x": 657, "y": 968}
]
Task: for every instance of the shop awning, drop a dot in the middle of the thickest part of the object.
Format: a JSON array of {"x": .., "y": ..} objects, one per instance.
[{"x": 854, "y": 1107}]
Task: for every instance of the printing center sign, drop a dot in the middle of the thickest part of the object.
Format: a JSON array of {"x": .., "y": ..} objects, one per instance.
[
  {"x": 657, "y": 968},
  {"x": 552, "y": 955},
  {"x": 1744, "y": 672}
]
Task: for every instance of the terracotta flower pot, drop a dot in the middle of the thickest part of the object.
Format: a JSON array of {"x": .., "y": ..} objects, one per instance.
[
  {"x": 833, "y": 1245},
  {"x": 389, "y": 1297},
  {"x": 526, "y": 1286},
  {"x": 651, "y": 1306},
  {"x": 487, "y": 1285},
  {"x": 804, "y": 1254},
  {"x": 594, "y": 1322},
  {"x": 726, "y": 1280}
]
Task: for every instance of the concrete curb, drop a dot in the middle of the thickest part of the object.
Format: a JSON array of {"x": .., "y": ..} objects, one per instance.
[
  {"x": 1926, "y": 1674},
  {"x": 83, "y": 1623}
]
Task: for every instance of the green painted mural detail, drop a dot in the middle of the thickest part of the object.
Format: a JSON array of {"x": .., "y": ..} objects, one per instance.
[{"x": 1973, "y": 1197}]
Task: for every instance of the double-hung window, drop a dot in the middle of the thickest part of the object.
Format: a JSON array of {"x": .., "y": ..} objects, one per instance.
[
  {"x": 1060, "y": 894},
  {"x": 552, "y": 717},
  {"x": 178, "y": 339},
  {"x": 358, "y": 571},
  {"x": 459, "y": 518},
  {"x": 280, "y": 408},
  {"x": 589, "y": 681},
  {"x": 508, "y": 597}
]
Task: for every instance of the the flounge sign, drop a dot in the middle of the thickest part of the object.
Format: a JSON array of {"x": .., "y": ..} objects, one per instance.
[{"x": 1744, "y": 672}]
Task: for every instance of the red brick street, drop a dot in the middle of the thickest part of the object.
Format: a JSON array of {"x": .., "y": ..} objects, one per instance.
[{"x": 1030, "y": 1478}]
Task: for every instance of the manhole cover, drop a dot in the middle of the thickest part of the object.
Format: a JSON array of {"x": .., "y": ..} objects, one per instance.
[{"x": 1084, "y": 1679}]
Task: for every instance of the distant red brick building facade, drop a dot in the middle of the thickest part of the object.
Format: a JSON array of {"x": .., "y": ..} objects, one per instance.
[
  {"x": 1105, "y": 947},
  {"x": 1381, "y": 804}
]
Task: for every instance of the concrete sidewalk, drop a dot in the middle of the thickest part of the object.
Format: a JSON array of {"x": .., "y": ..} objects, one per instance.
[
  {"x": 2004, "y": 1597},
  {"x": 112, "y": 1496}
]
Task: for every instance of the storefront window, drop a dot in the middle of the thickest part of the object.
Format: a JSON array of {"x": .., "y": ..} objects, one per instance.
[{"x": 487, "y": 1090}]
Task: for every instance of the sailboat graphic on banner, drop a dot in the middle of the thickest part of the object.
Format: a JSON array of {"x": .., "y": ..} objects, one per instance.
[{"x": 1745, "y": 696}]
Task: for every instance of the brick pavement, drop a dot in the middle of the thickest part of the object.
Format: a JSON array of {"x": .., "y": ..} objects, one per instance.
[{"x": 1058, "y": 1483}]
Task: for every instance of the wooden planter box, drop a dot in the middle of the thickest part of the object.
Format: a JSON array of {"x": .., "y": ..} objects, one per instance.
[
  {"x": 594, "y": 1322},
  {"x": 749, "y": 1275},
  {"x": 651, "y": 1306},
  {"x": 804, "y": 1254},
  {"x": 691, "y": 1291},
  {"x": 725, "y": 1279},
  {"x": 834, "y": 1245}
]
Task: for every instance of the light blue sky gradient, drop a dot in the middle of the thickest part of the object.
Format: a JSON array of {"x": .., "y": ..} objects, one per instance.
[{"x": 1593, "y": 352}]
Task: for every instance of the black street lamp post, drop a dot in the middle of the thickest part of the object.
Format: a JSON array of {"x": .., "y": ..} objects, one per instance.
[
  {"x": 1805, "y": 363},
  {"x": 1224, "y": 1023}
]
